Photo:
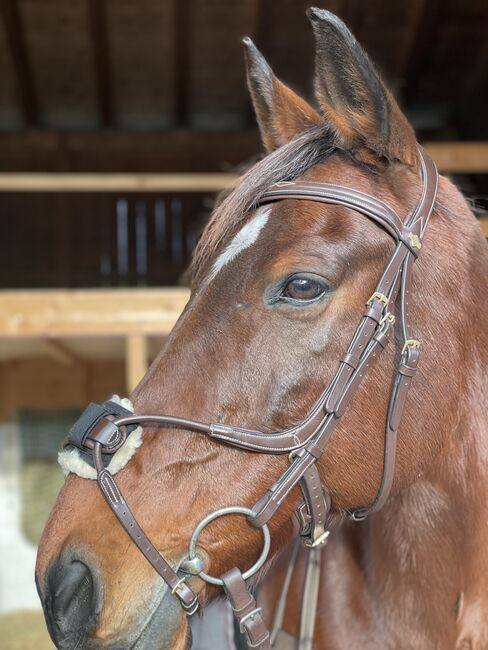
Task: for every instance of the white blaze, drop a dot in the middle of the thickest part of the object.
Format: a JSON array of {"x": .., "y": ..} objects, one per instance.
[{"x": 244, "y": 238}]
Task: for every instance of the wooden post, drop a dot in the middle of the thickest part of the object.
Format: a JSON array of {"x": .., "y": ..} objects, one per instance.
[{"x": 135, "y": 359}]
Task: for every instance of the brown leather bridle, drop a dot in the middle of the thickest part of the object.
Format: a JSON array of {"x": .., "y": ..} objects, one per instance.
[{"x": 306, "y": 442}]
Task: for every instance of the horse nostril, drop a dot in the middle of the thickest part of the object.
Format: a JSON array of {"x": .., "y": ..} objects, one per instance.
[{"x": 71, "y": 602}]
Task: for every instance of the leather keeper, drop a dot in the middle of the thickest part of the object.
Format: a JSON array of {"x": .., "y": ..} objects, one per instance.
[
  {"x": 245, "y": 609},
  {"x": 351, "y": 360},
  {"x": 375, "y": 310},
  {"x": 406, "y": 371},
  {"x": 107, "y": 434},
  {"x": 409, "y": 362}
]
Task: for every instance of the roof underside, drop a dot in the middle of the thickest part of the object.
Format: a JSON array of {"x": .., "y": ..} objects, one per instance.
[{"x": 155, "y": 65}]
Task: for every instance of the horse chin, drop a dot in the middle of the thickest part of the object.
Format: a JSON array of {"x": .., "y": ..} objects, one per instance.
[{"x": 166, "y": 628}]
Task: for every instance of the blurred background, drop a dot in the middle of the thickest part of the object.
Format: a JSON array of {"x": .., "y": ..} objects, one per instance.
[{"x": 120, "y": 120}]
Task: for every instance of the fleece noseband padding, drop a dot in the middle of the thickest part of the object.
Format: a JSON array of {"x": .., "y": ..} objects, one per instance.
[{"x": 73, "y": 460}]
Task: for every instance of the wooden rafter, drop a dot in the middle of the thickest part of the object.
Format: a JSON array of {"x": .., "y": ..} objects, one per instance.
[
  {"x": 126, "y": 151},
  {"x": 178, "y": 151},
  {"x": 412, "y": 29},
  {"x": 451, "y": 157},
  {"x": 429, "y": 21},
  {"x": 98, "y": 25},
  {"x": 182, "y": 23},
  {"x": 20, "y": 62}
]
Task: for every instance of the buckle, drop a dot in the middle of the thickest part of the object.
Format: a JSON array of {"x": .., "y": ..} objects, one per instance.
[
  {"x": 388, "y": 317},
  {"x": 359, "y": 514},
  {"x": 410, "y": 343},
  {"x": 191, "y": 608},
  {"x": 414, "y": 241},
  {"x": 380, "y": 297},
  {"x": 251, "y": 616},
  {"x": 322, "y": 539}
]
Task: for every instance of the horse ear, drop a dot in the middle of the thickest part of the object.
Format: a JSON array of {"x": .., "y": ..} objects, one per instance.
[
  {"x": 353, "y": 98},
  {"x": 281, "y": 114}
]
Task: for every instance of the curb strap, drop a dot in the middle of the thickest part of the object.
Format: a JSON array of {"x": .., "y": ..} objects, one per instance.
[{"x": 246, "y": 610}]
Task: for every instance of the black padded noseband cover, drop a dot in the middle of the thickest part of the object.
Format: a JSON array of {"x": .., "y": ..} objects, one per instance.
[{"x": 91, "y": 416}]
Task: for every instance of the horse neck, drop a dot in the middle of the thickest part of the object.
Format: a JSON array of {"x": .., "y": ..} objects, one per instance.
[{"x": 428, "y": 544}]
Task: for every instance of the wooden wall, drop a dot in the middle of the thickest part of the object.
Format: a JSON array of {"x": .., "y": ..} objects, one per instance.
[{"x": 43, "y": 383}]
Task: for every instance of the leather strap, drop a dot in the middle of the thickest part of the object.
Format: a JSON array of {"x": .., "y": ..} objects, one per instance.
[
  {"x": 310, "y": 599},
  {"x": 279, "y": 614},
  {"x": 120, "y": 508},
  {"x": 246, "y": 611},
  {"x": 349, "y": 197}
]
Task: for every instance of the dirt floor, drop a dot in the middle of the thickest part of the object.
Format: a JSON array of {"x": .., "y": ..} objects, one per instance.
[{"x": 24, "y": 631}]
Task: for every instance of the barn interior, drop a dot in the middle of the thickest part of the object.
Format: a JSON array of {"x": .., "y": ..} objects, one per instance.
[{"x": 120, "y": 121}]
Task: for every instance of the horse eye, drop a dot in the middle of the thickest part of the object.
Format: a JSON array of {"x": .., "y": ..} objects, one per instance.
[{"x": 303, "y": 289}]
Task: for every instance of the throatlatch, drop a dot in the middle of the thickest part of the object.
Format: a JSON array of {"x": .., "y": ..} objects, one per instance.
[{"x": 102, "y": 430}]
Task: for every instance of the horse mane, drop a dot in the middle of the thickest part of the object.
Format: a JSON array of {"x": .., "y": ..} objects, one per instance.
[{"x": 284, "y": 164}]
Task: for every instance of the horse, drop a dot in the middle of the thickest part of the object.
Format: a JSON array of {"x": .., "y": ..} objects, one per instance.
[{"x": 277, "y": 291}]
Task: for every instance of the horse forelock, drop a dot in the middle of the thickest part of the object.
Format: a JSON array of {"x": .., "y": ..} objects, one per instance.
[{"x": 284, "y": 164}]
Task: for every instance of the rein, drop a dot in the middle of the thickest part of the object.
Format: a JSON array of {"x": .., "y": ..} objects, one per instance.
[{"x": 100, "y": 434}]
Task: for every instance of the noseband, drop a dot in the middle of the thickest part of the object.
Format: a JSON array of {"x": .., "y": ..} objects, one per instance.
[{"x": 107, "y": 427}]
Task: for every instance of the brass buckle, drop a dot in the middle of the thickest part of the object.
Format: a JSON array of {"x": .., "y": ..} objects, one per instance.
[
  {"x": 414, "y": 241},
  {"x": 388, "y": 317},
  {"x": 410, "y": 343},
  {"x": 380, "y": 297},
  {"x": 319, "y": 541}
]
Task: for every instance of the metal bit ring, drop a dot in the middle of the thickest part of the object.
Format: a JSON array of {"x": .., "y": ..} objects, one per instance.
[{"x": 231, "y": 510}]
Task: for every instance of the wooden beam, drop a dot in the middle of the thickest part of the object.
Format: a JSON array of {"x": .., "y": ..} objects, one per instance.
[
  {"x": 98, "y": 27},
  {"x": 459, "y": 157},
  {"x": 451, "y": 157},
  {"x": 484, "y": 225},
  {"x": 89, "y": 312},
  {"x": 23, "y": 73},
  {"x": 126, "y": 151},
  {"x": 19, "y": 182},
  {"x": 135, "y": 360}
]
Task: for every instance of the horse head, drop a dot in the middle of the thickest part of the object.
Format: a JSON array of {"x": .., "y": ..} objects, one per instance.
[{"x": 278, "y": 289}]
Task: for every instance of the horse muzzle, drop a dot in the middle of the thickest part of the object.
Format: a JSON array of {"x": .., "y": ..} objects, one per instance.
[{"x": 72, "y": 601}]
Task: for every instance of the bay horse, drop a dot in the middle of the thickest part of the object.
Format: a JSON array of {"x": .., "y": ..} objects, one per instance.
[{"x": 277, "y": 292}]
